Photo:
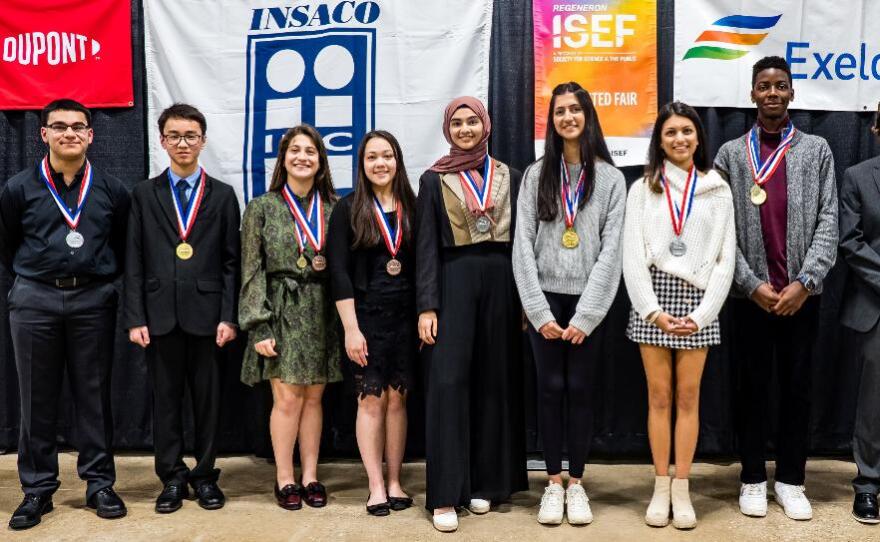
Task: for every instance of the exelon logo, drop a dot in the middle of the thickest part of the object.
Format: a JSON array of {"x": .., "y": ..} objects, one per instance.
[
  {"x": 732, "y": 37},
  {"x": 52, "y": 48}
]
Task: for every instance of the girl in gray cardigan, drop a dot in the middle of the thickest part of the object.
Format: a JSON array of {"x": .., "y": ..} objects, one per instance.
[{"x": 566, "y": 263}]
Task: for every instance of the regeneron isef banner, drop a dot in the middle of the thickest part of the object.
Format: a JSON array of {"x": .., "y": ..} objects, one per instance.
[
  {"x": 61, "y": 48},
  {"x": 610, "y": 48},
  {"x": 833, "y": 49}
]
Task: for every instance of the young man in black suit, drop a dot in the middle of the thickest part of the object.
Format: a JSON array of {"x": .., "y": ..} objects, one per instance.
[
  {"x": 181, "y": 286},
  {"x": 860, "y": 247}
]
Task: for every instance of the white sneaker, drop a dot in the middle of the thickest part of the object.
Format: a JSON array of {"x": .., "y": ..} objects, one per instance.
[
  {"x": 479, "y": 506},
  {"x": 753, "y": 499},
  {"x": 552, "y": 505},
  {"x": 446, "y": 522},
  {"x": 793, "y": 501},
  {"x": 577, "y": 505}
]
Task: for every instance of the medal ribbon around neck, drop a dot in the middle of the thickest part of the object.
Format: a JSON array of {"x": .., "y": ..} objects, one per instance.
[
  {"x": 84, "y": 188},
  {"x": 763, "y": 172},
  {"x": 570, "y": 201},
  {"x": 393, "y": 237},
  {"x": 304, "y": 229},
  {"x": 186, "y": 218},
  {"x": 680, "y": 214},
  {"x": 482, "y": 197}
]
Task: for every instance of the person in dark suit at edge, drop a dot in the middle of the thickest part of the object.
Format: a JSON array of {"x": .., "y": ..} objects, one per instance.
[{"x": 181, "y": 283}]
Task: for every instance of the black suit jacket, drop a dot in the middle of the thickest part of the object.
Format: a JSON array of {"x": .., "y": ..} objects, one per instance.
[
  {"x": 859, "y": 220},
  {"x": 161, "y": 290}
]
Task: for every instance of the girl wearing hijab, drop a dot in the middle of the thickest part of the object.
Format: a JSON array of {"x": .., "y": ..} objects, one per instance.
[
  {"x": 469, "y": 321},
  {"x": 566, "y": 260}
]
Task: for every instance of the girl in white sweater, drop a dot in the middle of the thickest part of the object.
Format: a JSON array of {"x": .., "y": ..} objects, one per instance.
[{"x": 679, "y": 244}]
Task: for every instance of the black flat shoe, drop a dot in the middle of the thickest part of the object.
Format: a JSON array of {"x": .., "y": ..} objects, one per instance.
[
  {"x": 381, "y": 509},
  {"x": 209, "y": 495},
  {"x": 399, "y": 503},
  {"x": 865, "y": 508},
  {"x": 171, "y": 498},
  {"x": 107, "y": 503},
  {"x": 30, "y": 511}
]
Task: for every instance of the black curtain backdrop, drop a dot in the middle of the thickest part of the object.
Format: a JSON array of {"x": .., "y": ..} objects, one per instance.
[{"x": 120, "y": 148}]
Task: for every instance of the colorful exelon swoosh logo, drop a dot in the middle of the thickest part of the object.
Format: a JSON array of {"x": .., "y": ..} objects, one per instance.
[{"x": 732, "y": 37}]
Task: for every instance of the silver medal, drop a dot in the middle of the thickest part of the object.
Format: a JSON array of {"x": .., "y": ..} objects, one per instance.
[
  {"x": 483, "y": 224},
  {"x": 74, "y": 239},
  {"x": 677, "y": 248}
]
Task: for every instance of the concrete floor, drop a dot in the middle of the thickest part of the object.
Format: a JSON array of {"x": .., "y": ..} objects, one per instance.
[{"x": 618, "y": 494}]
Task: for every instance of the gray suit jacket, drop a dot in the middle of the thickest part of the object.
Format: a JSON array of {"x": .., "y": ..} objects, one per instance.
[
  {"x": 811, "y": 236},
  {"x": 860, "y": 244}
]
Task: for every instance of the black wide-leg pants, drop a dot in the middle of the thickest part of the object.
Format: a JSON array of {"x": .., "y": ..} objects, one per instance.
[
  {"x": 54, "y": 330},
  {"x": 179, "y": 360},
  {"x": 475, "y": 433},
  {"x": 764, "y": 342}
]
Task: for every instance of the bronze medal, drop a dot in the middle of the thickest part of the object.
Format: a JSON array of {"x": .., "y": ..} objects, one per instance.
[
  {"x": 393, "y": 267},
  {"x": 570, "y": 238},
  {"x": 184, "y": 251},
  {"x": 758, "y": 195},
  {"x": 301, "y": 262},
  {"x": 319, "y": 263}
]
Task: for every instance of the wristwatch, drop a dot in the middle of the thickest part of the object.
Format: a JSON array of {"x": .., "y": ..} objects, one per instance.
[{"x": 808, "y": 283}]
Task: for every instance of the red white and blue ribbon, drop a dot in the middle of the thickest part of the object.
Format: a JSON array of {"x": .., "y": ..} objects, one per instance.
[
  {"x": 186, "y": 218},
  {"x": 680, "y": 214},
  {"x": 308, "y": 227},
  {"x": 570, "y": 200},
  {"x": 482, "y": 197},
  {"x": 72, "y": 218},
  {"x": 392, "y": 236},
  {"x": 763, "y": 171}
]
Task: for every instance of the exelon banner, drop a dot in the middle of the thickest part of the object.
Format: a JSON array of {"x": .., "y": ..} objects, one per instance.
[{"x": 832, "y": 47}]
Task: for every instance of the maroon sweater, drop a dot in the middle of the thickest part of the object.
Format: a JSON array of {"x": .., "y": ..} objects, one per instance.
[{"x": 774, "y": 213}]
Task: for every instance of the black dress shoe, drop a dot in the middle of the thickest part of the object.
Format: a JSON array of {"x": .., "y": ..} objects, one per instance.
[
  {"x": 865, "y": 508},
  {"x": 171, "y": 498},
  {"x": 209, "y": 495},
  {"x": 30, "y": 511},
  {"x": 316, "y": 495},
  {"x": 107, "y": 503}
]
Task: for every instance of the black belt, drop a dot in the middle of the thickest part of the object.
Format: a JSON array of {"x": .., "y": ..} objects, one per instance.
[{"x": 67, "y": 283}]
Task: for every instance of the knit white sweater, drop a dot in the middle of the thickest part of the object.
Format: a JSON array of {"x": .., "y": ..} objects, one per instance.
[{"x": 709, "y": 234}]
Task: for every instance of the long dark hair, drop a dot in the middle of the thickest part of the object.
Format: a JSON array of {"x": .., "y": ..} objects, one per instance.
[
  {"x": 363, "y": 222},
  {"x": 323, "y": 180},
  {"x": 656, "y": 155},
  {"x": 592, "y": 144}
]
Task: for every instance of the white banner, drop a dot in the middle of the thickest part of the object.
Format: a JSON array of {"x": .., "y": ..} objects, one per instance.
[
  {"x": 832, "y": 48},
  {"x": 255, "y": 68}
]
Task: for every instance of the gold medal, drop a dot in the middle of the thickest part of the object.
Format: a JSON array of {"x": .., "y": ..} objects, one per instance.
[
  {"x": 301, "y": 262},
  {"x": 570, "y": 238},
  {"x": 184, "y": 251},
  {"x": 758, "y": 195}
]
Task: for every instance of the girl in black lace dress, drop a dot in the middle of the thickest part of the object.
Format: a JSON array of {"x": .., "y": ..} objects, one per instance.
[{"x": 370, "y": 256}]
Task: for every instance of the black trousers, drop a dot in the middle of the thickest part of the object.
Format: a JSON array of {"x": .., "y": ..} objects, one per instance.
[
  {"x": 178, "y": 361},
  {"x": 52, "y": 331},
  {"x": 565, "y": 378},
  {"x": 866, "y": 432},
  {"x": 475, "y": 432},
  {"x": 764, "y": 342}
]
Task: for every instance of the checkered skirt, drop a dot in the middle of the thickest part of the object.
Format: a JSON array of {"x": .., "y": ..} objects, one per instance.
[{"x": 678, "y": 298}]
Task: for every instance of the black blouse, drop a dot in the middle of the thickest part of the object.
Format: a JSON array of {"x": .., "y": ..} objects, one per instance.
[
  {"x": 355, "y": 271},
  {"x": 434, "y": 234}
]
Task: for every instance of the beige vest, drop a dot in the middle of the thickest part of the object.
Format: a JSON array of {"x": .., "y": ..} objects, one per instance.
[{"x": 464, "y": 224}]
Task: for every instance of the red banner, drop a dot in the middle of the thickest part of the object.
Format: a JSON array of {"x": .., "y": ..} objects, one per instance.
[{"x": 78, "y": 49}]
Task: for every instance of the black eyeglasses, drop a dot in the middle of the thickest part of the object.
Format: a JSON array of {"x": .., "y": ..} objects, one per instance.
[
  {"x": 61, "y": 128},
  {"x": 174, "y": 139}
]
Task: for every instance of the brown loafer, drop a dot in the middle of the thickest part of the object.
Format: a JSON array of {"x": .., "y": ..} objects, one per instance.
[
  {"x": 316, "y": 495},
  {"x": 290, "y": 496}
]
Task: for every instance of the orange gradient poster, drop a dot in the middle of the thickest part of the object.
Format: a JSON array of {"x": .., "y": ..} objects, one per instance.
[{"x": 610, "y": 48}]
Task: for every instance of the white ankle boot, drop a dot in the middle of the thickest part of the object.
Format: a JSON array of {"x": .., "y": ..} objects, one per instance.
[
  {"x": 683, "y": 515},
  {"x": 658, "y": 510}
]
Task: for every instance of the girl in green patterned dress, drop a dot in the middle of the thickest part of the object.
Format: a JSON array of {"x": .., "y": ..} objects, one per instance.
[{"x": 285, "y": 307}]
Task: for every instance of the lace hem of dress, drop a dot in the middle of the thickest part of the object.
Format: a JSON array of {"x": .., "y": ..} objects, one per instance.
[{"x": 364, "y": 386}]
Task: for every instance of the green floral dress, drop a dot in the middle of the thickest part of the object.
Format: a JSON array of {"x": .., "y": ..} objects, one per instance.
[{"x": 283, "y": 302}]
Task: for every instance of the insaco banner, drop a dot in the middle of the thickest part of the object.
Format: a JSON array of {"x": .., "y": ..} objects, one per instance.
[
  {"x": 832, "y": 47},
  {"x": 345, "y": 67}
]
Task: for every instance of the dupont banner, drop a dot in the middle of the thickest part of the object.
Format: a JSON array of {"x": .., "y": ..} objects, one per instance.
[
  {"x": 64, "y": 49},
  {"x": 832, "y": 48},
  {"x": 345, "y": 67},
  {"x": 610, "y": 48}
]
